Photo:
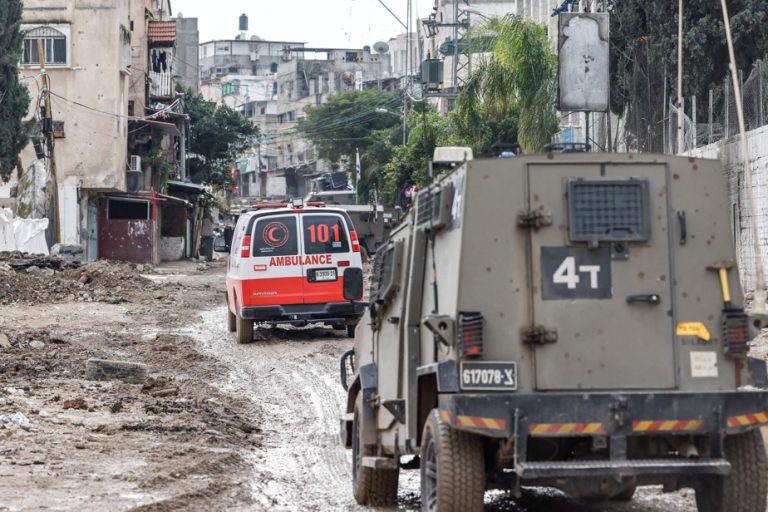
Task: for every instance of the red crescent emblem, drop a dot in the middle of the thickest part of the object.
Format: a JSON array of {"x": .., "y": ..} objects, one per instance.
[{"x": 276, "y": 234}]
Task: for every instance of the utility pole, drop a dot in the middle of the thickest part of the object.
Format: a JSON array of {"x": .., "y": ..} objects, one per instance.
[
  {"x": 680, "y": 104},
  {"x": 47, "y": 129}
]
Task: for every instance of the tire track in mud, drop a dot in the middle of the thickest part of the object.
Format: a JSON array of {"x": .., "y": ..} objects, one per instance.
[
  {"x": 291, "y": 382},
  {"x": 297, "y": 400}
]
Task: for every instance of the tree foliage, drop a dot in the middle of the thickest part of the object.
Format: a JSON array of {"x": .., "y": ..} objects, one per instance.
[
  {"x": 345, "y": 123},
  {"x": 14, "y": 98},
  {"x": 511, "y": 93},
  {"x": 644, "y": 45},
  {"x": 218, "y": 136}
]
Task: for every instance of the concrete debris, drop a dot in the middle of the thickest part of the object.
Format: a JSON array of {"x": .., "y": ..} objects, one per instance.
[
  {"x": 4, "y": 341},
  {"x": 68, "y": 251},
  {"x": 48, "y": 280},
  {"x": 15, "y": 423},
  {"x": 34, "y": 270},
  {"x": 100, "y": 369},
  {"x": 36, "y": 345}
]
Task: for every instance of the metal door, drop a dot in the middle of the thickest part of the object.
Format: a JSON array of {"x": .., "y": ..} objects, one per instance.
[
  {"x": 601, "y": 277},
  {"x": 93, "y": 231}
]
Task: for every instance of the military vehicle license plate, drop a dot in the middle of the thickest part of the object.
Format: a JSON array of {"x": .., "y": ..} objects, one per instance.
[{"x": 488, "y": 376}]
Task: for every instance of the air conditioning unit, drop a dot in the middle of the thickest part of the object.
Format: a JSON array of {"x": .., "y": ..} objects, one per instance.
[
  {"x": 133, "y": 176},
  {"x": 135, "y": 165}
]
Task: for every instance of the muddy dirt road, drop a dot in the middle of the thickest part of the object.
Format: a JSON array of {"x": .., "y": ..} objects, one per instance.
[{"x": 217, "y": 426}]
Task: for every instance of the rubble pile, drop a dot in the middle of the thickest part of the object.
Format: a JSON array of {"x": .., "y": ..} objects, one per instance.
[{"x": 30, "y": 280}]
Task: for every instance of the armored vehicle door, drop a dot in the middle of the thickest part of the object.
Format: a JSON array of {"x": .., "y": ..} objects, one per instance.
[{"x": 600, "y": 286}]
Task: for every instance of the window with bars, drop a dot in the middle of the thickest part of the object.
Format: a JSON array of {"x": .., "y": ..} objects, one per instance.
[{"x": 54, "y": 46}]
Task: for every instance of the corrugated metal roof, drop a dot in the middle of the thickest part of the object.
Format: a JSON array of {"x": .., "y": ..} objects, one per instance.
[{"x": 161, "y": 31}]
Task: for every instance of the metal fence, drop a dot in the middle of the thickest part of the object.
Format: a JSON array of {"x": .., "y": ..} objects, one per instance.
[{"x": 716, "y": 114}]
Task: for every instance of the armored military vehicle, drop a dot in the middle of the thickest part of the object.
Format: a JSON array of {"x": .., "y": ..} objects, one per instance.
[{"x": 565, "y": 320}]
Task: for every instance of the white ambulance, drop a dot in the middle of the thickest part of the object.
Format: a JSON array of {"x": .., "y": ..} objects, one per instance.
[{"x": 294, "y": 263}]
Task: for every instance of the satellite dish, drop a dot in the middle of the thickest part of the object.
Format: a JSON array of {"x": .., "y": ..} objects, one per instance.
[{"x": 381, "y": 47}]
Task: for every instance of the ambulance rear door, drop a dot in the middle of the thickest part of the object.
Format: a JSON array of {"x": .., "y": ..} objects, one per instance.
[
  {"x": 275, "y": 273},
  {"x": 327, "y": 254}
]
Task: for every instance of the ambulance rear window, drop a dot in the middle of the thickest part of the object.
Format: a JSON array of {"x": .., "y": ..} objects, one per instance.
[
  {"x": 324, "y": 234},
  {"x": 275, "y": 236}
]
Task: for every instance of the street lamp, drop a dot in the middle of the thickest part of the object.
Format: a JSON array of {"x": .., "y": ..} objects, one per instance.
[{"x": 400, "y": 115}]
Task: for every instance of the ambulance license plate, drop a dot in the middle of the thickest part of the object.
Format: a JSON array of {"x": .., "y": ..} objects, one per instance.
[
  {"x": 488, "y": 376},
  {"x": 325, "y": 275}
]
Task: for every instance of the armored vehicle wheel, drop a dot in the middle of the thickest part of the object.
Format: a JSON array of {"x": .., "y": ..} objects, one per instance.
[
  {"x": 231, "y": 320},
  {"x": 744, "y": 490},
  {"x": 372, "y": 487},
  {"x": 452, "y": 468},
  {"x": 351, "y": 331},
  {"x": 244, "y": 329}
]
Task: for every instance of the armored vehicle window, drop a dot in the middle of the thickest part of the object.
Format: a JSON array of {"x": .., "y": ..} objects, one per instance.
[
  {"x": 275, "y": 236},
  {"x": 324, "y": 234},
  {"x": 389, "y": 271},
  {"x": 608, "y": 210}
]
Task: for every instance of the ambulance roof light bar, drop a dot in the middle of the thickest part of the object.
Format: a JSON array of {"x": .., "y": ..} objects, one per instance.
[{"x": 262, "y": 206}]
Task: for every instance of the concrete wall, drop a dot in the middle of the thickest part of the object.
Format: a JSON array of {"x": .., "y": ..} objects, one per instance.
[
  {"x": 740, "y": 216},
  {"x": 171, "y": 248},
  {"x": 187, "y": 41}
]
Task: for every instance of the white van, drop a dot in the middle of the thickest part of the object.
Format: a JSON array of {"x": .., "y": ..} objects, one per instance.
[{"x": 294, "y": 264}]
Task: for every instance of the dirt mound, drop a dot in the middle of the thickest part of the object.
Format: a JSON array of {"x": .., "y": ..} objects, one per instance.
[{"x": 32, "y": 280}]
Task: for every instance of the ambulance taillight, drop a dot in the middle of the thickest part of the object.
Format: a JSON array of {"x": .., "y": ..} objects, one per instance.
[
  {"x": 355, "y": 242},
  {"x": 245, "y": 250},
  {"x": 470, "y": 334}
]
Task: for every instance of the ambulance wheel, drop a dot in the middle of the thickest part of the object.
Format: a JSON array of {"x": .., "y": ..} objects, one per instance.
[
  {"x": 452, "y": 468},
  {"x": 371, "y": 487},
  {"x": 231, "y": 319},
  {"x": 244, "y": 329},
  {"x": 745, "y": 488}
]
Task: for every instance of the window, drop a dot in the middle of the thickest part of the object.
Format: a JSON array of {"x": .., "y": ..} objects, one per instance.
[
  {"x": 275, "y": 236},
  {"x": 127, "y": 210},
  {"x": 273, "y": 67},
  {"x": 609, "y": 210},
  {"x": 54, "y": 46},
  {"x": 324, "y": 234}
]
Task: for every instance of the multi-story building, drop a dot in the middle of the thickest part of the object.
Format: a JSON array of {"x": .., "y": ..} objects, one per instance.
[
  {"x": 271, "y": 83},
  {"x": 104, "y": 95}
]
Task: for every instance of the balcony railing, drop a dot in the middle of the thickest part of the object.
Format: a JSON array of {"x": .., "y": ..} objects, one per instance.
[{"x": 161, "y": 84}]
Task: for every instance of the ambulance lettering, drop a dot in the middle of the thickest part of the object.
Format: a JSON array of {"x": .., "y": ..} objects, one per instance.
[{"x": 313, "y": 259}]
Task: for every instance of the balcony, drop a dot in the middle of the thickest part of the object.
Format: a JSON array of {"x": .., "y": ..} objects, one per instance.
[{"x": 160, "y": 84}]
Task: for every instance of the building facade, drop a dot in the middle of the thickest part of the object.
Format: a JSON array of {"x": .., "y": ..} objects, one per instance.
[{"x": 105, "y": 95}]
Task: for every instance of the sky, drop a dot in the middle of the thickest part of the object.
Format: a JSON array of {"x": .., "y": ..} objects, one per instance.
[{"x": 319, "y": 23}]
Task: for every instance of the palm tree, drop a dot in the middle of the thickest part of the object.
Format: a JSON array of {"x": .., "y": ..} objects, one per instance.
[{"x": 514, "y": 81}]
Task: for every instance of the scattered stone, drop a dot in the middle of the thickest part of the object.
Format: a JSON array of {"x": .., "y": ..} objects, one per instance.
[
  {"x": 117, "y": 406},
  {"x": 16, "y": 422},
  {"x": 76, "y": 403},
  {"x": 139, "y": 268},
  {"x": 4, "y": 341},
  {"x": 36, "y": 345},
  {"x": 85, "y": 278},
  {"x": 100, "y": 369}
]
